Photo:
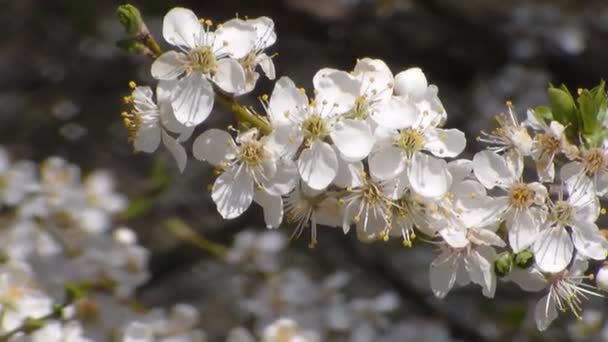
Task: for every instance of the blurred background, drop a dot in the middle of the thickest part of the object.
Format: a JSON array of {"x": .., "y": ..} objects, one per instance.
[{"x": 62, "y": 80}]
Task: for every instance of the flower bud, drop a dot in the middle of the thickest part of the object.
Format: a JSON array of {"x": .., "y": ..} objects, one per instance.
[
  {"x": 503, "y": 264},
  {"x": 130, "y": 18},
  {"x": 601, "y": 278},
  {"x": 524, "y": 259}
]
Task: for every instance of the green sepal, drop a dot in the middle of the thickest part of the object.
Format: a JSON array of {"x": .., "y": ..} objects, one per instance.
[
  {"x": 130, "y": 18},
  {"x": 592, "y": 104},
  {"x": 564, "y": 110}
]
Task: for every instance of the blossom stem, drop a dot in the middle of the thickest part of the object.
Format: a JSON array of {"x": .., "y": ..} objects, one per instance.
[{"x": 181, "y": 230}]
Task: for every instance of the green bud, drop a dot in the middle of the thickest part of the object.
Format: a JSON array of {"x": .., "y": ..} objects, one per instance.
[
  {"x": 503, "y": 264},
  {"x": 524, "y": 259},
  {"x": 130, "y": 18}
]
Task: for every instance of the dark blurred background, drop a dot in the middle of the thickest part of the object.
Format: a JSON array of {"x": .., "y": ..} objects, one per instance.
[{"x": 62, "y": 80}]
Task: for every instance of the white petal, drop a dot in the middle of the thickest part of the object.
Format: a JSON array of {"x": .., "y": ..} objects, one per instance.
[
  {"x": 148, "y": 139},
  {"x": 264, "y": 29},
  {"x": 460, "y": 169},
  {"x": 233, "y": 192},
  {"x": 169, "y": 66},
  {"x": 479, "y": 266},
  {"x": 442, "y": 275},
  {"x": 444, "y": 142},
  {"x": 386, "y": 163},
  {"x": 411, "y": 82},
  {"x": 485, "y": 237},
  {"x": 336, "y": 91},
  {"x": 177, "y": 150},
  {"x": 531, "y": 279},
  {"x": 349, "y": 174},
  {"x": 215, "y": 146},
  {"x": 492, "y": 170},
  {"x": 456, "y": 238},
  {"x": 318, "y": 165},
  {"x": 286, "y": 101},
  {"x": 273, "y": 208},
  {"x": 429, "y": 176},
  {"x": 284, "y": 179},
  {"x": 265, "y": 62},
  {"x": 181, "y": 27},
  {"x": 523, "y": 228},
  {"x": 230, "y": 76},
  {"x": 545, "y": 312},
  {"x": 353, "y": 138},
  {"x": 376, "y": 78},
  {"x": 235, "y": 38},
  {"x": 193, "y": 99},
  {"x": 395, "y": 113},
  {"x": 588, "y": 241},
  {"x": 553, "y": 249}
]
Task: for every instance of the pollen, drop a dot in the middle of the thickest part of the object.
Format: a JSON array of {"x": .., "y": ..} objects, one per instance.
[
  {"x": 315, "y": 128},
  {"x": 594, "y": 161},
  {"x": 252, "y": 153},
  {"x": 203, "y": 59},
  {"x": 132, "y": 85},
  {"x": 521, "y": 196},
  {"x": 410, "y": 141}
]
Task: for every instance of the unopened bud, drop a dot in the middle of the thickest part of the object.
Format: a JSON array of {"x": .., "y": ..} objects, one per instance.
[
  {"x": 131, "y": 20},
  {"x": 503, "y": 264},
  {"x": 524, "y": 259}
]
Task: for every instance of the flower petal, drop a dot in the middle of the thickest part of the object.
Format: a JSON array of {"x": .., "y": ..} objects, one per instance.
[
  {"x": 233, "y": 192},
  {"x": 444, "y": 142},
  {"x": 479, "y": 266},
  {"x": 177, "y": 150},
  {"x": 429, "y": 176},
  {"x": 523, "y": 228},
  {"x": 215, "y": 146},
  {"x": 230, "y": 76},
  {"x": 235, "y": 38},
  {"x": 349, "y": 174},
  {"x": 148, "y": 139},
  {"x": 265, "y": 62},
  {"x": 395, "y": 113},
  {"x": 553, "y": 249},
  {"x": 181, "y": 27},
  {"x": 353, "y": 138},
  {"x": 273, "y": 208},
  {"x": 193, "y": 99},
  {"x": 169, "y": 66},
  {"x": 491, "y": 170},
  {"x": 386, "y": 163},
  {"x": 588, "y": 241},
  {"x": 376, "y": 78},
  {"x": 442, "y": 275},
  {"x": 318, "y": 165},
  {"x": 286, "y": 102},
  {"x": 411, "y": 82},
  {"x": 545, "y": 312},
  {"x": 284, "y": 179},
  {"x": 336, "y": 91}
]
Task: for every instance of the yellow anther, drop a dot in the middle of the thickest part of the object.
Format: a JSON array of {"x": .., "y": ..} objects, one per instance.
[
  {"x": 132, "y": 85},
  {"x": 302, "y": 90},
  {"x": 208, "y": 22},
  {"x": 349, "y": 189},
  {"x": 264, "y": 97},
  {"x": 603, "y": 211},
  {"x": 357, "y": 219},
  {"x": 509, "y": 103},
  {"x": 209, "y": 187},
  {"x": 407, "y": 244},
  {"x": 127, "y": 99},
  {"x": 579, "y": 91},
  {"x": 286, "y": 114}
]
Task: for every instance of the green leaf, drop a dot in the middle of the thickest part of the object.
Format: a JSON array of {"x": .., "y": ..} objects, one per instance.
[
  {"x": 592, "y": 104},
  {"x": 543, "y": 113},
  {"x": 564, "y": 110}
]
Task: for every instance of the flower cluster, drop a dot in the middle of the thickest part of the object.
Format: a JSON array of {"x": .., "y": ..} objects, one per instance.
[
  {"x": 67, "y": 272},
  {"x": 368, "y": 149}
]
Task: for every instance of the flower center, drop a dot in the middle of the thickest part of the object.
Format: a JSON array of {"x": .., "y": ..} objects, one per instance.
[
  {"x": 521, "y": 196},
  {"x": 203, "y": 59},
  {"x": 562, "y": 212},
  {"x": 252, "y": 153},
  {"x": 594, "y": 160},
  {"x": 360, "y": 109},
  {"x": 314, "y": 127},
  {"x": 549, "y": 143},
  {"x": 410, "y": 141}
]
